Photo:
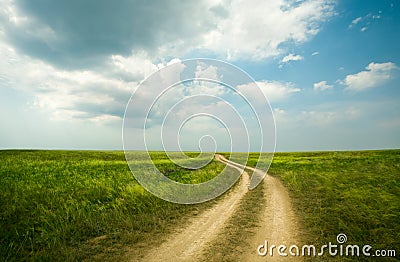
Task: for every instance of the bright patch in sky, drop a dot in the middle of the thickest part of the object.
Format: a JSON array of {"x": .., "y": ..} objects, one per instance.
[{"x": 330, "y": 69}]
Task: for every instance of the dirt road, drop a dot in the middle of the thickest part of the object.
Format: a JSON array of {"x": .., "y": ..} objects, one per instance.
[
  {"x": 278, "y": 224},
  {"x": 188, "y": 244}
]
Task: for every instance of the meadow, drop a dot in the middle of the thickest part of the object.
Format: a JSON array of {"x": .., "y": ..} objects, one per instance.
[
  {"x": 86, "y": 205},
  {"x": 77, "y": 205},
  {"x": 356, "y": 193}
]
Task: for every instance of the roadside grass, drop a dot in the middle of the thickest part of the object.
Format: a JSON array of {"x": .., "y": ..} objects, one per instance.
[
  {"x": 84, "y": 205},
  {"x": 356, "y": 193},
  {"x": 234, "y": 238}
]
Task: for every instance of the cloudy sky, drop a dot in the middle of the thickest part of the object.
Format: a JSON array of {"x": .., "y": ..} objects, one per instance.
[{"x": 330, "y": 69}]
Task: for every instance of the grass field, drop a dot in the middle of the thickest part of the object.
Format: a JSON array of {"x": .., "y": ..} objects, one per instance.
[
  {"x": 73, "y": 205},
  {"x": 77, "y": 205},
  {"x": 356, "y": 193}
]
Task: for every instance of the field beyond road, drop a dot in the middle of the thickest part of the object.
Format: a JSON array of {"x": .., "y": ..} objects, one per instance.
[
  {"x": 354, "y": 193},
  {"x": 76, "y": 205},
  {"x": 86, "y": 205}
]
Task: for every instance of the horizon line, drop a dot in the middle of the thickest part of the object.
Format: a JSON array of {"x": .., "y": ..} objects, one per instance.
[{"x": 188, "y": 151}]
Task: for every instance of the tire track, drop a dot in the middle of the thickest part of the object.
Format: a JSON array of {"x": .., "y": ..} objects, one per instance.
[
  {"x": 278, "y": 225},
  {"x": 189, "y": 243}
]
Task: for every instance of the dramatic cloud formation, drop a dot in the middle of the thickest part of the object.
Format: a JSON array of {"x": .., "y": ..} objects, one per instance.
[
  {"x": 253, "y": 33},
  {"x": 83, "y": 59},
  {"x": 83, "y": 94},
  {"x": 69, "y": 67},
  {"x": 76, "y": 34}
]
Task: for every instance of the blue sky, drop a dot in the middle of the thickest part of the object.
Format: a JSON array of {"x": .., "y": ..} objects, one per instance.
[{"x": 330, "y": 69}]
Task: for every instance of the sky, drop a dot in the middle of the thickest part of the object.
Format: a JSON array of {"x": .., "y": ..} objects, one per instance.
[{"x": 330, "y": 69}]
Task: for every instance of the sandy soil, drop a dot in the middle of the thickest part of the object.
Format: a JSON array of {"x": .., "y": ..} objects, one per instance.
[
  {"x": 188, "y": 243},
  {"x": 278, "y": 225}
]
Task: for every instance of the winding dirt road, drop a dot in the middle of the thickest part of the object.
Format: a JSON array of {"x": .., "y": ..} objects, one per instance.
[{"x": 278, "y": 225}]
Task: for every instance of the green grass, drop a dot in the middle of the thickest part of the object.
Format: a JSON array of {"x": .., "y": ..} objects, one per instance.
[
  {"x": 182, "y": 175},
  {"x": 356, "y": 193},
  {"x": 71, "y": 205},
  {"x": 77, "y": 205}
]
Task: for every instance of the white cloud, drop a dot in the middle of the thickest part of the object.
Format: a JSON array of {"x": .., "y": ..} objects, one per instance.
[
  {"x": 280, "y": 115},
  {"x": 232, "y": 29},
  {"x": 275, "y": 91},
  {"x": 322, "y": 86},
  {"x": 376, "y": 74},
  {"x": 355, "y": 21},
  {"x": 292, "y": 57},
  {"x": 318, "y": 118},
  {"x": 208, "y": 88},
  {"x": 208, "y": 72},
  {"x": 364, "y": 21},
  {"x": 315, "y": 53},
  {"x": 101, "y": 119},
  {"x": 352, "y": 113},
  {"x": 87, "y": 94},
  {"x": 133, "y": 67},
  {"x": 98, "y": 91},
  {"x": 251, "y": 31}
]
